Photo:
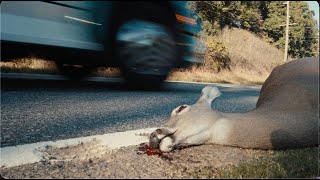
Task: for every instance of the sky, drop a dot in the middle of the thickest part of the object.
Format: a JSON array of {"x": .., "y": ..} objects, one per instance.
[{"x": 315, "y": 7}]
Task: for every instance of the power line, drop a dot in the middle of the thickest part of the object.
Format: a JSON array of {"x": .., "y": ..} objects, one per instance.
[{"x": 289, "y": 24}]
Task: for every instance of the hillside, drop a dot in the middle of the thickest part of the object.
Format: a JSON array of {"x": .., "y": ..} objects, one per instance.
[{"x": 233, "y": 56}]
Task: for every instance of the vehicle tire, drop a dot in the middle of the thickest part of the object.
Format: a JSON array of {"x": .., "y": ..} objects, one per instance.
[{"x": 144, "y": 42}]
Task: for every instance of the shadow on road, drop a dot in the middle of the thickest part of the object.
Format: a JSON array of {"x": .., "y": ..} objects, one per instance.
[
  {"x": 121, "y": 85},
  {"x": 8, "y": 84}
]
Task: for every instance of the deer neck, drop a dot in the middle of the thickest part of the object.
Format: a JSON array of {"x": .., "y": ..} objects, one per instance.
[{"x": 261, "y": 130}]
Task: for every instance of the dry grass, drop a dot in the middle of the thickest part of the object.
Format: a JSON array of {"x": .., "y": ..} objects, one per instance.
[
  {"x": 249, "y": 52},
  {"x": 199, "y": 74},
  {"x": 107, "y": 72},
  {"x": 29, "y": 65},
  {"x": 35, "y": 65},
  {"x": 252, "y": 60}
]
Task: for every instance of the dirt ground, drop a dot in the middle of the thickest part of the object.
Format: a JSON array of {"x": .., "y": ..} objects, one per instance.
[{"x": 88, "y": 160}]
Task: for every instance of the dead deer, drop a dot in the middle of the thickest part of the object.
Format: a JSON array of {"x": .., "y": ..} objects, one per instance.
[{"x": 286, "y": 115}]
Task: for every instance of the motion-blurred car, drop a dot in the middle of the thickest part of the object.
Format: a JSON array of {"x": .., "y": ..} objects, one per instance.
[{"x": 144, "y": 39}]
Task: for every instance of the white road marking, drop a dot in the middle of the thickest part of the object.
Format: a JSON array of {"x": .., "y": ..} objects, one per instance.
[{"x": 29, "y": 153}]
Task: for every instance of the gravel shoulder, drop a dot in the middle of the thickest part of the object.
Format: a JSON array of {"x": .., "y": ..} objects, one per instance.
[{"x": 86, "y": 160}]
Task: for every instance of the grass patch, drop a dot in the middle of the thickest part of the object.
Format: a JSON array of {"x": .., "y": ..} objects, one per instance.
[
  {"x": 35, "y": 65},
  {"x": 200, "y": 74},
  {"x": 299, "y": 163},
  {"x": 29, "y": 65},
  {"x": 233, "y": 56},
  {"x": 107, "y": 72}
]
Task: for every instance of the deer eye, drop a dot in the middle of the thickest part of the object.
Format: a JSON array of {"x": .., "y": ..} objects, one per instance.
[
  {"x": 181, "y": 108},
  {"x": 159, "y": 131}
]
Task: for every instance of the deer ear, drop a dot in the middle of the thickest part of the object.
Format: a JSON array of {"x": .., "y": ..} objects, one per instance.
[
  {"x": 208, "y": 94},
  {"x": 180, "y": 109}
]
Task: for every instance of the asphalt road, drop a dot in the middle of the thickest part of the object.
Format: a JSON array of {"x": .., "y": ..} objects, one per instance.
[{"x": 44, "y": 110}]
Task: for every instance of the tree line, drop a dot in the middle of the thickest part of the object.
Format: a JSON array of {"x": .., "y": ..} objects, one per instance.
[{"x": 266, "y": 19}]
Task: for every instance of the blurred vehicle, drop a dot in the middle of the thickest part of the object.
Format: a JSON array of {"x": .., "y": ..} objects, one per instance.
[{"x": 144, "y": 39}]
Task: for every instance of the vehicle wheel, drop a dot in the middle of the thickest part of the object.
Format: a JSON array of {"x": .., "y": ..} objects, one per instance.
[
  {"x": 74, "y": 72},
  {"x": 145, "y": 46}
]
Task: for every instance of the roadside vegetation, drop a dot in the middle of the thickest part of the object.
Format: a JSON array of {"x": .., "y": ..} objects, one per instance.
[
  {"x": 30, "y": 65},
  {"x": 34, "y": 65},
  {"x": 232, "y": 56},
  {"x": 299, "y": 163}
]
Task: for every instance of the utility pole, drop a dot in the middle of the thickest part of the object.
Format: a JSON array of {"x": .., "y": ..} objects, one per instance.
[{"x": 287, "y": 34}]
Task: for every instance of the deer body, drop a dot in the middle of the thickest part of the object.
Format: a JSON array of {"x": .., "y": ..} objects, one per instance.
[
  {"x": 272, "y": 131},
  {"x": 286, "y": 115}
]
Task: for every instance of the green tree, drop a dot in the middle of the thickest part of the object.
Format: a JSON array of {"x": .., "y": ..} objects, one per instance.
[
  {"x": 302, "y": 36},
  {"x": 264, "y": 19},
  {"x": 221, "y": 14}
]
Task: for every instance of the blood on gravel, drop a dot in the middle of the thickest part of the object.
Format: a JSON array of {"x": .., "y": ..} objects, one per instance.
[{"x": 144, "y": 148}]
